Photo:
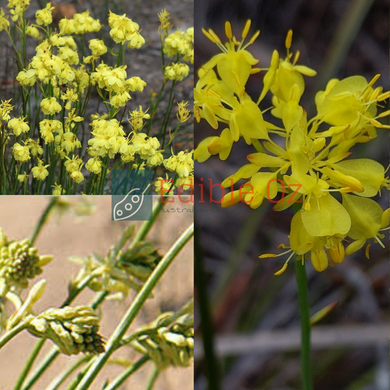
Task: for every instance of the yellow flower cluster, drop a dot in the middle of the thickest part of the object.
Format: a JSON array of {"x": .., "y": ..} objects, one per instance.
[
  {"x": 176, "y": 71},
  {"x": 17, "y": 8},
  {"x": 48, "y": 67},
  {"x": 18, "y": 126},
  {"x": 180, "y": 44},
  {"x": 114, "y": 81},
  {"x": 44, "y": 16},
  {"x": 63, "y": 81},
  {"x": 82, "y": 23},
  {"x": 300, "y": 159},
  {"x": 125, "y": 30}
]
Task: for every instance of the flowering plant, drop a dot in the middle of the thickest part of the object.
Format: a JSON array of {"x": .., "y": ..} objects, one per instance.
[
  {"x": 47, "y": 145},
  {"x": 298, "y": 161}
]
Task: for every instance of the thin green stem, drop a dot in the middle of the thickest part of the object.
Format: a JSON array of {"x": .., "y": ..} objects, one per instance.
[
  {"x": 211, "y": 362},
  {"x": 147, "y": 225},
  {"x": 43, "y": 366},
  {"x": 43, "y": 219},
  {"x": 57, "y": 382},
  {"x": 306, "y": 374},
  {"x": 153, "y": 378},
  {"x": 119, "y": 380},
  {"x": 8, "y": 336},
  {"x": 135, "y": 307},
  {"x": 26, "y": 369}
]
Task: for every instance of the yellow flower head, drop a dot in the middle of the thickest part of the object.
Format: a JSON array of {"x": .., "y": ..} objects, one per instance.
[
  {"x": 50, "y": 106},
  {"x": 21, "y": 153},
  {"x": 18, "y": 126},
  {"x": 44, "y": 16},
  {"x": 40, "y": 172}
]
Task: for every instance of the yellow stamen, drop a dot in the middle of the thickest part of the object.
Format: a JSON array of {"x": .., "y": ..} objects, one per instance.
[
  {"x": 383, "y": 96},
  {"x": 246, "y": 29},
  {"x": 277, "y": 273},
  {"x": 367, "y": 251},
  {"x": 215, "y": 36},
  {"x": 267, "y": 255},
  {"x": 374, "y": 80},
  {"x": 208, "y": 35},
  {"x": 228, "y": 30},
  {"x": 254, "y": 37},
  {"x": 289, "y": 39},
  {"x": 375, "y": 122},
  {"x": 375, "y": 93},
  {"x": 383, "y": 114},
  {"x": 297, "y": 55}
]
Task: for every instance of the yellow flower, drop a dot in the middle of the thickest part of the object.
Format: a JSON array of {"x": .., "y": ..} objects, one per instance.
[
  {"x": 97, "y": 47},
  {"x": 21, "y": 153},
  {"x": 94, "y": 165},
  {"x": 44, "y": 16},
  {"x": 18, "y": 126},
  {"x": 40, "y": 172},
  {"x": 4, "y": 23},
  {"x": 50, "y": 106},
  {"x": 184, "y": 114},
  {"x": 32, "y": 31},
  {"x": 35, "y": 148},
  {"x": 164, "y": 186},
  {"x": 57, "y": 189},
  {"x": 22, "y": 178},
  {"x": 77, "y": 176},
  {"x": 176, "y": 72},
  {"x": 124, "y": 29}
]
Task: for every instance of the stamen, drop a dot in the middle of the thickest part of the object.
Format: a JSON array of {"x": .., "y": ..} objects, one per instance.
[
  {"x": 288, "y": 39},
  {"x": 374, "y": 80},
  {"x": 246, "y": 29},
  {"x": 228, "y": 30},
  {"x": 254, "y": 37}
]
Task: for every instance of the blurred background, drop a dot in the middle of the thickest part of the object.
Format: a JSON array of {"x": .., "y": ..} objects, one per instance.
[
  {"x": 254, "y": 314},
  {"x": 75, "y": 235}
]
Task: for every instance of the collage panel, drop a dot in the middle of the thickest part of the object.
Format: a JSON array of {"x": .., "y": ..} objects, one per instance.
[
  {"x": 78, "y": 288},
  {"x": 291, "y": 188},
  {"x": 96, "y": 149},
  {"x": 94, "y": 91}
]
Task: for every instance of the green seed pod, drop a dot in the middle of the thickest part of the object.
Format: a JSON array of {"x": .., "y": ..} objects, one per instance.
[
  {"x": 19, "y": 263},
  {"x": 72, "y": 329}
]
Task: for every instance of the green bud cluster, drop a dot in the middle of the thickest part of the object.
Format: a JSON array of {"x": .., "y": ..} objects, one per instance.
[
  {"x": 171, "y": 345},
  {"x": 19, "y": 262},
  {"x": 72, "y": 329},
  {"x": 140, "y": 260}
]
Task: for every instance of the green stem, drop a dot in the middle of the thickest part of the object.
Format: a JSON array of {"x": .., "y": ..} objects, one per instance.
[
  {"x": 8, "y": 336},
  {"x": 119, "y": 380},
  {"x": 306, "y": 374},
  {"x": 43, "y": 366},
  {"x": 43, "y": 219},
  {"x": 153, "y": 378},
  {"x": 57, "y": 382},
  {"x": 212, "y": 367},
  {"x": 135, "y": 307},
  {"x": 52, "y": 355},
  {"x": 147, "y": 225},
  {"x": 26, "y": 369}
]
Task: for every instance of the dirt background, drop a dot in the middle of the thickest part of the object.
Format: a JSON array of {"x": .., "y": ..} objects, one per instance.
[{"x": 80, "y": 236}]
